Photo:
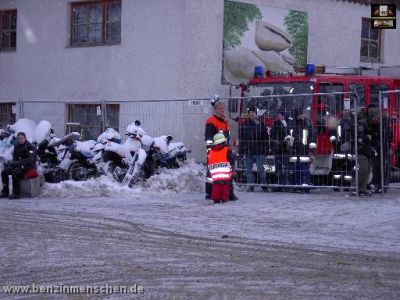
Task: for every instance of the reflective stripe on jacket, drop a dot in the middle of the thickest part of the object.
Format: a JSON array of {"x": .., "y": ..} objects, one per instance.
[{"x": 218, "y": 165}]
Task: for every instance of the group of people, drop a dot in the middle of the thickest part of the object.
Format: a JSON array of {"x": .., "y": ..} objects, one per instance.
[
  {"x": 292, "y": 139},
  {"x": 289, "y": 136},
  {"x": 369, "y": 146}
]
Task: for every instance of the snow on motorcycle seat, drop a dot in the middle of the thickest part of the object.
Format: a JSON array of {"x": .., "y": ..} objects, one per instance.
[{"x": 32, "y": 185}]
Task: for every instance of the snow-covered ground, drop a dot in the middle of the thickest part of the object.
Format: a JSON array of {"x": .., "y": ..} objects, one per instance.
[{"x": 167, "y": 237}]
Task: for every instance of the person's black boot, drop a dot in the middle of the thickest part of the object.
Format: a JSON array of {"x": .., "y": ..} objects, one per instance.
[{"x": 14, "y": 196}]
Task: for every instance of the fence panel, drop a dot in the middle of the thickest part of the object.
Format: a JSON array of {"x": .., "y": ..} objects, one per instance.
[
  {"x": 385, "y": 131},
  {"x": 296, "y": 142},
  {"x": 312, "y": 144}
]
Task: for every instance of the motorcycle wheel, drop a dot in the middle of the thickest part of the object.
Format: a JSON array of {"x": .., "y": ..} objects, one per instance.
[{"x": 78, "y": 172}]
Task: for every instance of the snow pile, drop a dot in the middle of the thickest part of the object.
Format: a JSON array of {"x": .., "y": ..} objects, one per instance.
[
  {"x": 26, "y": 126},
  {"x": 42, "y": 131},
  {"x": 109, "y": 134},
  {"x": 98, "y": 187},
  {"x": 85, "y": 147},
  {"x": 189, "y": 177}
]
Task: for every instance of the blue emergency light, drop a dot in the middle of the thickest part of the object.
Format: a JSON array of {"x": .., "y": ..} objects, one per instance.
[
  {"x": 258, "y": 71},
  {"x": 310, "y": 69}
]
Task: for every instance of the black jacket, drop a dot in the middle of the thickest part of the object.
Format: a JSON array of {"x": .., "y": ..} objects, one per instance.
[
  {"x": 363, "y": 139},
  {"x": 278, "y": 134},
  {"x": 298, "y": 126},
  {"x": 373, "y": 129},
  {"x": 24, "y": 156},
  {"x": 252, "y": 138}
]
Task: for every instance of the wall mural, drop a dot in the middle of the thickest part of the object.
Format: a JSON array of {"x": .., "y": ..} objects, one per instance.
[{"x": 258, "y": 35}]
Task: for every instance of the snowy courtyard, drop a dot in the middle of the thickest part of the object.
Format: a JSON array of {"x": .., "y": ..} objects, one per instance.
[{"x": 167, "y": 238}]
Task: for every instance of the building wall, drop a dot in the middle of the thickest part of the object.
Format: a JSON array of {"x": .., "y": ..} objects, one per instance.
[{"x": 169, "y": 49}]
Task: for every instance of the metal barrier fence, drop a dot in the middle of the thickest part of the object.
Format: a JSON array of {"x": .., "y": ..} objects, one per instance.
[
  {"x": 316, "y": 148},
  {"x": 297, "y": 142},
  {"x": 184, "y": 119},
  {"x": 385, "y": 120}
]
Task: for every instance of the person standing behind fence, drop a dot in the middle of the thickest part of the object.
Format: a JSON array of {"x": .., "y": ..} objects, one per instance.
[
  {"x": 253, "y": 143},
  {"x": 302, "y": 145},
  {"x": 346, "y": 123},
  {"x": 279, "y": 136},
  {"x": 373, "y": 129},
  {"x": 365, "y": 154},
  {"x": 215, "y": 124}
]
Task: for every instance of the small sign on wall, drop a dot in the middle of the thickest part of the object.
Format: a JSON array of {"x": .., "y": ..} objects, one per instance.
[{"x": 195, "y": 102}]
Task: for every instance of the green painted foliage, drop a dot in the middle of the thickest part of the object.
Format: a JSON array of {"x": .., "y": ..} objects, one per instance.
[
  {"x": 236, "y": 17},
  {"x": 297, "y": 26}
]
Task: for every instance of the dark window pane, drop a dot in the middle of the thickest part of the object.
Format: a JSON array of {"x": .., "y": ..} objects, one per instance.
[
  {"x": 80, "y": 14},
  {"x": 358, "y": 89},
  {"x": 94, "y": 33},
  {"x": 113, "y": 116},
  {"x": 80, "y": 34},
  {"x": 374, "y": 35},
  {"x": 114, "y": 12},
  {"x": 96, "y": 22},
  {"x": 5, "y": 21},
  {"x": 364, "y": 48},
  {"x": 366, "y": 25},
  {"x": 375, "y": 89},
  {"x": 13, "y": 42},
  {"x": 114, "y": 32},
  {"x": 95, "y": 13},
  {"x": 14, "y": 20},
  {"x": 373, "y": 49},
  {"x": 6, "y": 115},
  {"x": 5, "y": 40}
]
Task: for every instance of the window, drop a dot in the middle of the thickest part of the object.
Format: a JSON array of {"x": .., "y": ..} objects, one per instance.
[
  {"x": 332, "y": 103},
  {"x": 96, "y": 23},
  {"x": 89, "y": 119},
  {"x": 370, "y": 42},
  {"x": 359, "y": 91},
  {"x": 8, "y": 29},
  {"x": 268, "y": 107},
  {"x": 374, "y": 92},
  {"x": 6, "y": 114}
]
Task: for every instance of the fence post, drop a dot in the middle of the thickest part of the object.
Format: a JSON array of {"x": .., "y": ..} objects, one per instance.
[
  {"x": 356, "y": 143},
  {"x": 21, "y": 113},
  {"x": 381, "y": 142},
  {"x": 104, "y": 115}
]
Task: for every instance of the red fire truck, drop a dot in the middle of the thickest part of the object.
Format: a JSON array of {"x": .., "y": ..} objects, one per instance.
[{"x": 365, "y": 91}]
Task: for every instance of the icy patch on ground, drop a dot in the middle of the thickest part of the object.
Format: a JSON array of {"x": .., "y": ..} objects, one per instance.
[{"x": 188, "y": 178}]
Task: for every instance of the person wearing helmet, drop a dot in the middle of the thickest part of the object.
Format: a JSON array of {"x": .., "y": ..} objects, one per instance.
[
  {"x": 215, "y": 124},
  {"x": 219, "y": 167}
]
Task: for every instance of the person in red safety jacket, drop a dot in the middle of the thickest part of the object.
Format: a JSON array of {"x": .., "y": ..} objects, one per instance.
[
  {"x": 219, "y": 168},
  {"x": 215, "y": 124}
]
